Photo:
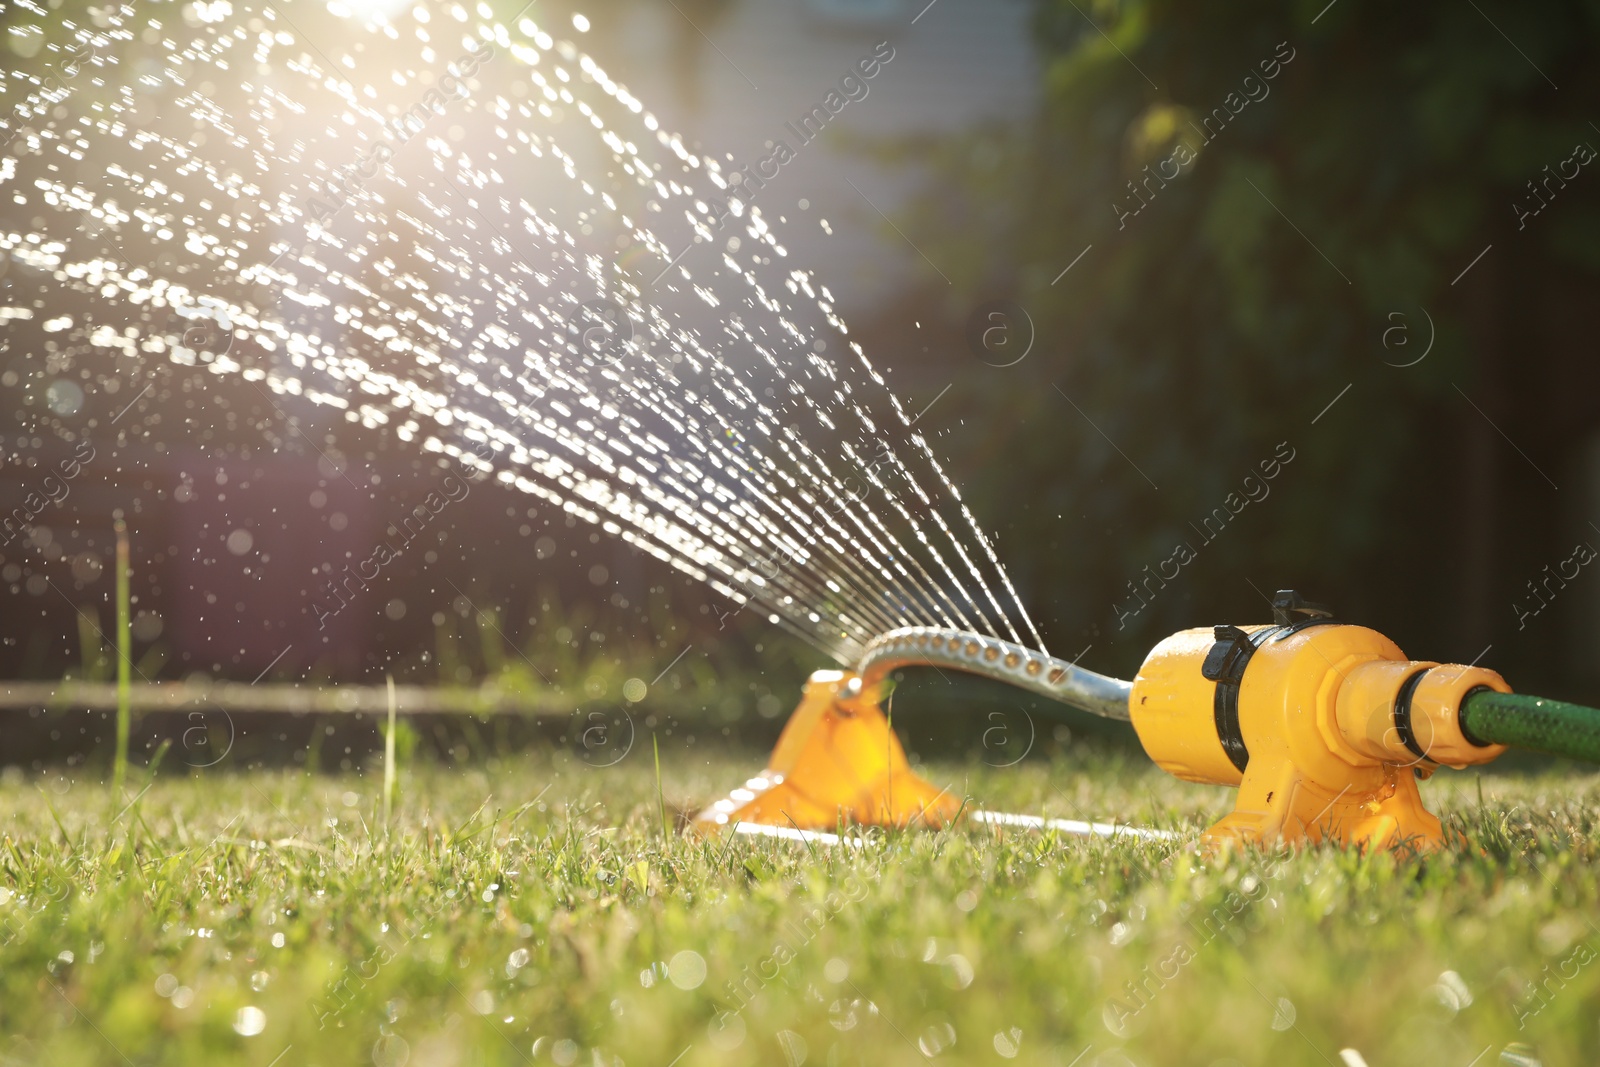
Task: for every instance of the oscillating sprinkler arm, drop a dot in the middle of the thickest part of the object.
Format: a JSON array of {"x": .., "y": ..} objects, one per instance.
[{"x": 1004, "y": 661}]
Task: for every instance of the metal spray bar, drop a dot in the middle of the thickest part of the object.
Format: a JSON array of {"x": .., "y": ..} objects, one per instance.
[{"x": 1003, "y": 661}]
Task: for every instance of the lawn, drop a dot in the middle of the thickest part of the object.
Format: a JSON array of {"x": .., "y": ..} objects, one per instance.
[{"x": 529, "y": 909}]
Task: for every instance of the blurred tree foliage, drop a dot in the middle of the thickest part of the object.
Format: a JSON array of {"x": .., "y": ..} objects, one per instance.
[{"x": 1384, "y": 154}]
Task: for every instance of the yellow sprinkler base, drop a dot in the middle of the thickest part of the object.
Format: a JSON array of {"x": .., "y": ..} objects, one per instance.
[
  {"x": 1325, "y": 734},
  {"x": 836, "y": 762}
]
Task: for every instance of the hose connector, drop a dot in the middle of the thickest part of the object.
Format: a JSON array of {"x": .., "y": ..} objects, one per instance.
[
  {"x": 1323, "y": 726},
  {"x": 1409, "y": 712}
]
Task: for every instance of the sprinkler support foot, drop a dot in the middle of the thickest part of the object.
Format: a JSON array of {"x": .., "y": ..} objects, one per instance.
[{"x": 836, "y": 762}]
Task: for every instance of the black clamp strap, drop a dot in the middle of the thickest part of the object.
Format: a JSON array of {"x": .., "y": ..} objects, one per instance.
[
  {"x": 1225, "y": 665},
  {"x": 1402, "y": 713},
  {"x": 1226, "y": 661}
]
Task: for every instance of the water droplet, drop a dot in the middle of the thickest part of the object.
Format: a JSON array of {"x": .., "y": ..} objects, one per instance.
[
  {"x": 958, "y": 971},
  {"x": 86, "y": 566},
  {"x": 936, "y": 1039},
  {"x": 1008, "y": 1043},
  {"x": 793, "y": 1047},
  {"x": 842, "y": 1014},
  {"x": 390, "y": 1050},
  {"x": 64, "y": 397},
  {"x": 249, "y": 1021},
  {"x": 687, "y": 969}
]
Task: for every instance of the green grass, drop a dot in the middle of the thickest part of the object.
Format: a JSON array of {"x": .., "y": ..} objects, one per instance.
[{"x": 531, "y": 910}]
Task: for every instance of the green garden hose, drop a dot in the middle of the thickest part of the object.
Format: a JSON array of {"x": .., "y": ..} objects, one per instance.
[{"x": 1536, "y": 723}]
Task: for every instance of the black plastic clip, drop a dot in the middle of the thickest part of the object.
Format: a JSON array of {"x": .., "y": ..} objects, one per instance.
[
  {"x": 1290, "y": 609},
  {"x": 1228, "y": 656},
  {"x": 1225, "y": 665}
]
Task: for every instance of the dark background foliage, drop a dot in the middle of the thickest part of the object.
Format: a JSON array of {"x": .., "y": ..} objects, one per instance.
[{"x": 1225, "y": 316}]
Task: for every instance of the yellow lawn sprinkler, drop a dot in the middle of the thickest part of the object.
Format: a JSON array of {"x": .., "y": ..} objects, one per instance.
[{"x": 1324, "y": 727}]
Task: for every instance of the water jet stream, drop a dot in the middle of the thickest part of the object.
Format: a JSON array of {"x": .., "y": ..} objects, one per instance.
[{"x": 733, "y": 429}]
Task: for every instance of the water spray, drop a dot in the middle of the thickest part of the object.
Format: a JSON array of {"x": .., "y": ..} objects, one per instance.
[
  {"x": 664, "y": 437},
  {"x": 1324, "y": 727}
]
